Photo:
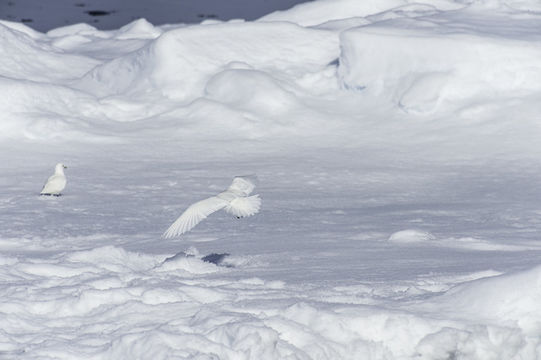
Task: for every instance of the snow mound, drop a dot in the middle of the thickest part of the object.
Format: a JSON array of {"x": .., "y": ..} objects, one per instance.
[
  {"x": 424, "y": 64},
  {"x": 473, "y": 343},
  {"x": 138, "y": 29},
  {"x": 509, "y": 302},
  {"x": 414, "y": 236},
  {"x": 252, "y": 91},
  {"x": 43, "y": 111},
  {"x": 411, "y": 236},
  {"x": 27, "y": 59},
  {"x": 22, "y": 28},
  {"x": 75, "y": 29},
  {"x": 509, "y": 298},
  {"x": 33, "y": 94},
  {"x": 114, "y": 258}
]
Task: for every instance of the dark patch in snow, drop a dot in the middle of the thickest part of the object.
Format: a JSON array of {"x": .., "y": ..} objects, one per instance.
[
  {"x": 335, "y": 62},
  {"x": 216, "y": 259},
  {"x": 354, "y": 88}
]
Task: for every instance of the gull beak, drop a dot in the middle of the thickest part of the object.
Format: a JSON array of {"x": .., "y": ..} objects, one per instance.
[{"x": 65, "y": 167}]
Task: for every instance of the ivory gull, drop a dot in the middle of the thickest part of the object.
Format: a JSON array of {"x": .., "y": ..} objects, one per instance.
[
  {"x": 56, "y": 183},
  {"x": 234, "y": 200}
]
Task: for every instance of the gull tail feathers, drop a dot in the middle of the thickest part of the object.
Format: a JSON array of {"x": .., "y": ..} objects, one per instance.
[{"x": 244, "y": 206}]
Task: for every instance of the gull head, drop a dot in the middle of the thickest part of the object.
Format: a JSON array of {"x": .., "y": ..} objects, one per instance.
[{"x": 59, "y": 168}]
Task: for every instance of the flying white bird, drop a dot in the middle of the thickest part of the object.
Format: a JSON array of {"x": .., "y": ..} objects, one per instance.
[
  {"x": 234, "y": 200},
  {"x": 56, "y": 183}
]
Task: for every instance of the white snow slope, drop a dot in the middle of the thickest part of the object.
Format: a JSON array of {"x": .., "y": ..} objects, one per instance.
[{"x": 397, "y": 149}]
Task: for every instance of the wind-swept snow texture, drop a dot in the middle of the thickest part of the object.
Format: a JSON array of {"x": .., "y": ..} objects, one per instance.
[{"x": 397, "y": 149}]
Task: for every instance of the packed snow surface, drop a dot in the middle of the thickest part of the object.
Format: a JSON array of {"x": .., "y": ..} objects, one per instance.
[{"x": 397, "y": 149}]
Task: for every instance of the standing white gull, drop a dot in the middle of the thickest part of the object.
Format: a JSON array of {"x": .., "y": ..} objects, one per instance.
[
  {"x": 234, "y": 200},
  {"x": 56, "y": 183}
]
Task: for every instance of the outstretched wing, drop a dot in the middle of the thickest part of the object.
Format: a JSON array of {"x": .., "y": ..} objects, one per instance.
[
  {"x": 243, "y": 185},
  {"x": 193, "y": 216},
  {"x": 244, "y": 206}
]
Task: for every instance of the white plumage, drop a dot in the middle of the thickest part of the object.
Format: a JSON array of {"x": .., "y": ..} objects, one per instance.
[
  {"x": 56, "y": 183},
  {"x": 234, "y": 200}
]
